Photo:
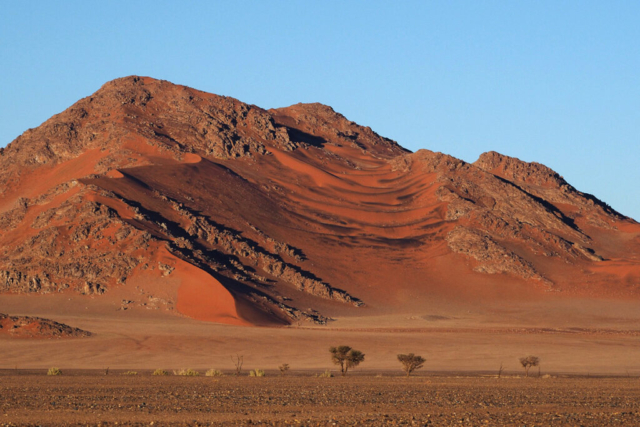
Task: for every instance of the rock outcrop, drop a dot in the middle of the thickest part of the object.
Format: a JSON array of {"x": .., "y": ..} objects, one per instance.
[{"x": 36, "y": 327}]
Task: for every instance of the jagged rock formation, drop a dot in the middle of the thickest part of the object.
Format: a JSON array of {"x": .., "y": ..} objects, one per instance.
[
  {"x": 79, "y": 244},
  {"x": 277, "y": 216},
  {"x": 36, "y": 327}
]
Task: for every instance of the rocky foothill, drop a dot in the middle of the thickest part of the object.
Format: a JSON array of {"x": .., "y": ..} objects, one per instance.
[{"x": 36, "y": 327}]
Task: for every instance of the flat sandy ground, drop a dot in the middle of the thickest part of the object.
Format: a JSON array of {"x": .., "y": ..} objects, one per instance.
[
  {"x": 91, "y": 398},
  {"x": 587, "y": 338}
]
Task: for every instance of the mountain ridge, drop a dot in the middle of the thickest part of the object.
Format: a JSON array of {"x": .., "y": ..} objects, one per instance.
[{"x": 185, "y": 201}]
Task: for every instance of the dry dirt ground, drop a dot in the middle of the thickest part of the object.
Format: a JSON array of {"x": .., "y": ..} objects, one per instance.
[
  {"x": 90, "y": 398},
  {"x": 579, "y": 339}
]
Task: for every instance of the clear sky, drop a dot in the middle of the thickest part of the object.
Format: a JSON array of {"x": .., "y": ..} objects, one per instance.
[{"x": 557, "y": 82}]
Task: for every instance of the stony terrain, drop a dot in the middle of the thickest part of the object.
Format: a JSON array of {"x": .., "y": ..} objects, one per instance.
[
  {"x": 88, "y": 399},
  {"x": 276, "y": 217}
]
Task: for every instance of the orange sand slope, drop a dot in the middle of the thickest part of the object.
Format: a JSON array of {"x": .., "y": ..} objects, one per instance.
[{"x": 151, "y": 196}]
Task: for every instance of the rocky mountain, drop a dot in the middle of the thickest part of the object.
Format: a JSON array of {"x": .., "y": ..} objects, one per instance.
[{"x": 170, "y": 198}]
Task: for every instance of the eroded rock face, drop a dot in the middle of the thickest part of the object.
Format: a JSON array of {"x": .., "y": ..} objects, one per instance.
[
  {"x": 546, "y": 184},
  {"x": 496, "y": 211},
  {"x": 288, "y": 209},
  {"x": 492, "y": 257},
  {"x": 79, "y": 245}
]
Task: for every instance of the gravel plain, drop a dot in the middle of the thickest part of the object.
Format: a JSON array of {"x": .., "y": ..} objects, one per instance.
[{"x": 91, "y": 398}]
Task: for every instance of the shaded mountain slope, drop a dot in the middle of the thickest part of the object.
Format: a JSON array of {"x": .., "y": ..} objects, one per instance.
[{"x": 227, "y": 212}]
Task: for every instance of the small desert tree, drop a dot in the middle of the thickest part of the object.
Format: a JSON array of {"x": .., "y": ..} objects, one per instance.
[
  {"x": 346, "y": 357},
  {"x": 238, "y": 361},
  {"x": 411, "y": 362},
  {"x": 284, "y": 368},
  {"x": 528, "y": 362}
]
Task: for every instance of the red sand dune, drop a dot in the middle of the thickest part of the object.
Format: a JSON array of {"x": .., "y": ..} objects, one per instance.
[{"x": 229, "y": 213}]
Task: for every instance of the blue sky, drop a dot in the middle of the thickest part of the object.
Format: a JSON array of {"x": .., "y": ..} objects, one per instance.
[{"x": 557, "y": 82}]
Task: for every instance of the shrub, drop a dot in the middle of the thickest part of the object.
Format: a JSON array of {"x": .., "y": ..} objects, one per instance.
[
  {"x": 131, "y": 373},
  {"x": 214, "y": 373},
  {"x": 187, "y": 373},
  {"x": 160, "y": 372},
  {"x": 325, "y": 374},
  {"x": 54, "y": 371},
  {"x": 346, "y": 357},
  {"x": 257, "y": 373},
  {"x": 191, "y": 373},
  {"x": 411, "y": 362}
]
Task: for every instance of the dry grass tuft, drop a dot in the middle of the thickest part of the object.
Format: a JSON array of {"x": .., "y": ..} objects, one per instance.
[
  {"x": 54, "y": 371},
  {"x": 187, "y": 372},
  {"x": 214, "y": 373},
  {"x": 325, "y": 374}
]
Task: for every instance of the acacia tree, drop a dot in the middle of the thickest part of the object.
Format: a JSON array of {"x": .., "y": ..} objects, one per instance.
[
  {"x": 346, "y": 357},
  {"x": 411, "y": 362},
  {"x": 528, "y": 362}
]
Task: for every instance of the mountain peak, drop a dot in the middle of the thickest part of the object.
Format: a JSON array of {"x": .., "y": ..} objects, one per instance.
[{"x": 517, "y": 170}]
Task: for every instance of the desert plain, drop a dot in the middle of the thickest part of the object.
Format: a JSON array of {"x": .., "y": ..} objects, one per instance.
[{"x": 587, "y": 376}]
